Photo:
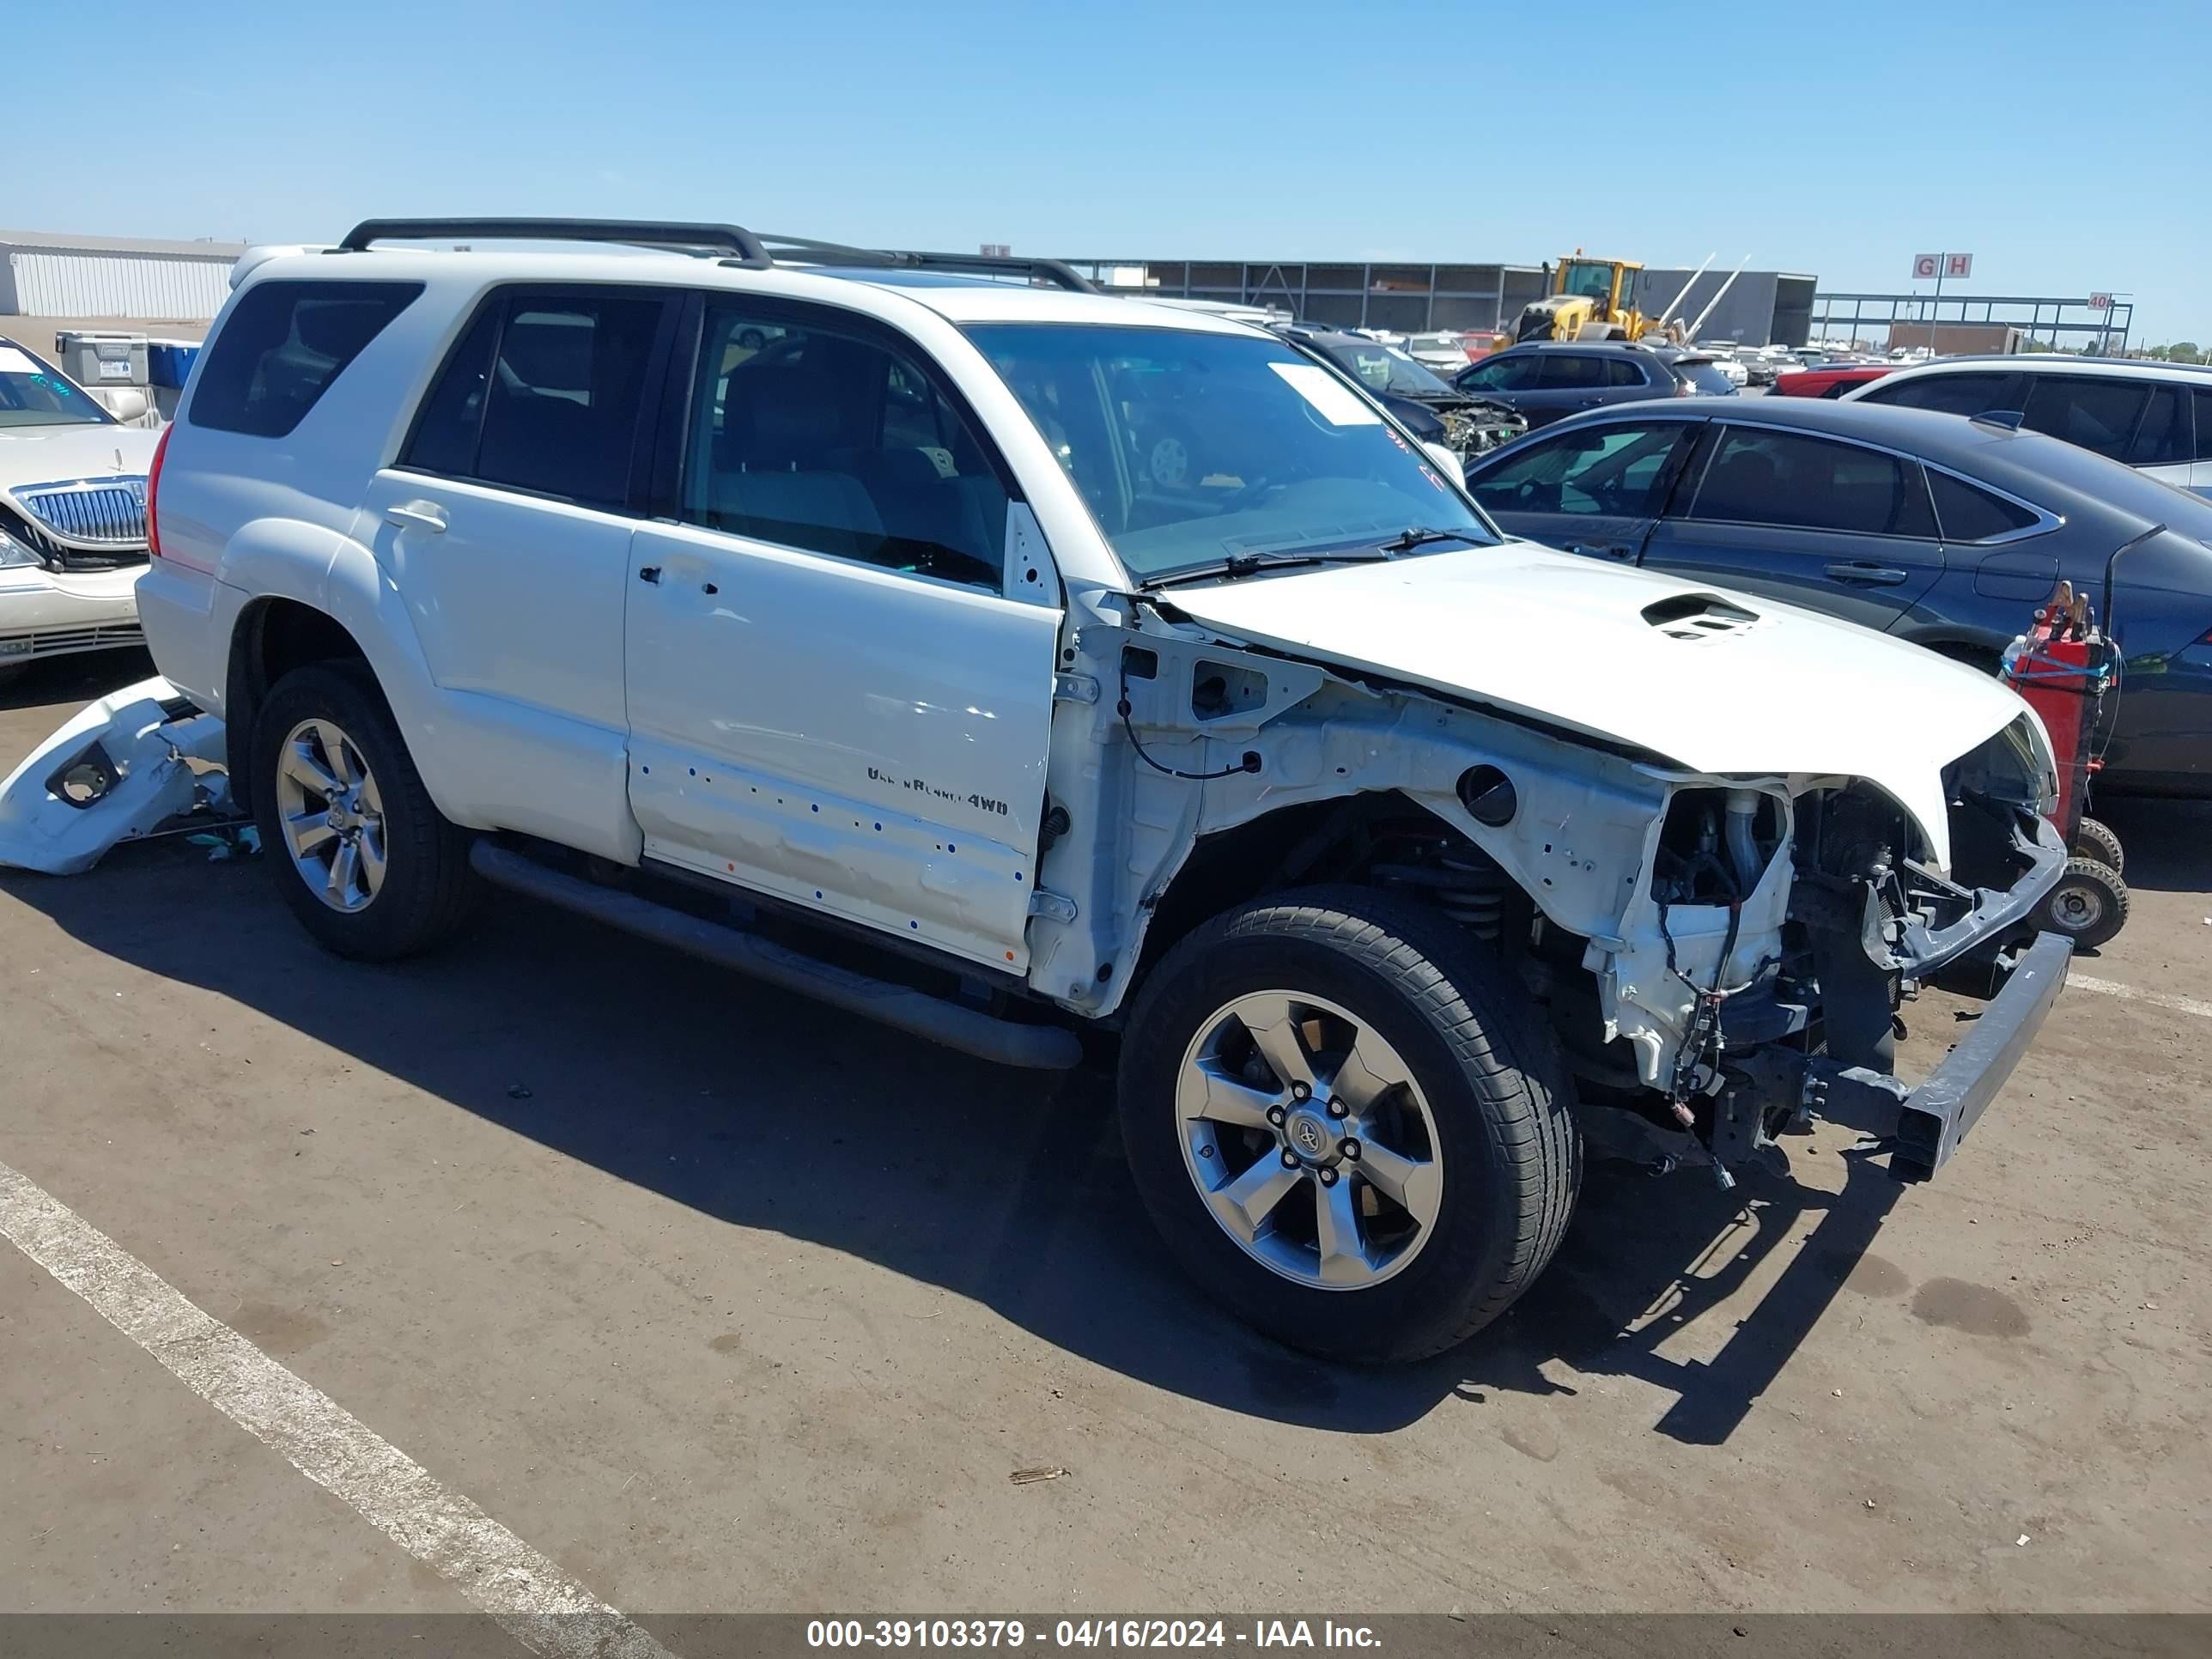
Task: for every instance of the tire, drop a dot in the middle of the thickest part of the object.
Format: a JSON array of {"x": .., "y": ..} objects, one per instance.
[
  {"x": 2096, "y": 842},
  {"x": 425, "y": 887},
  {"x": 1486, "y": 1092},
  {"x": 2089, "y": 905}
]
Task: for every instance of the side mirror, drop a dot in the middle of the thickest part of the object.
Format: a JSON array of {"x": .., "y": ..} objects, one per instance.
[
  {"x": 1453, "y": 468},
  {"x": 126, "y": 403}
]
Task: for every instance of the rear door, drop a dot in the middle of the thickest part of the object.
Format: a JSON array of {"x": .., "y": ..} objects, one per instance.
[
  {"x": 837, "y": 694},
  {"x": 506, "y": 524},
  {"x": 1594, "y": 490},
  {"x": 1567, "y": 383},
  {"x": 1838, "y": 527}
]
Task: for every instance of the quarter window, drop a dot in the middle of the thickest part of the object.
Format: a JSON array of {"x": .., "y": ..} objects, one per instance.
[
  {"x": 1811, "y": 484},
  {"x": 283, "y": 346},
  {"x": 1622, "y": 371},
  {"x": 544, "y": 394},
  {"x": 831, "y": 441},
  {"x": 1968, "y": 513},
  {"x": 2203, "y": 401}
]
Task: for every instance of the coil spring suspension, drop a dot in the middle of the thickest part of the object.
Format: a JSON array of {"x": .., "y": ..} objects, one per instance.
[{"x": 1469, "y": 889}]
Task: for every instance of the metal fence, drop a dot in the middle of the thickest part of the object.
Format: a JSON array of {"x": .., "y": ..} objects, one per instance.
[{"x": 2069, "y": 320}]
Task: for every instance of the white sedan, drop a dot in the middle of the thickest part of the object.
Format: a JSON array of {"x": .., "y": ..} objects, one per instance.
[{"x": 72, "y": 516}]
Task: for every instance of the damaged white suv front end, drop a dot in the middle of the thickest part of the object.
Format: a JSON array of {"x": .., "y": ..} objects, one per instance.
[{"x": 1717, "y": 840}]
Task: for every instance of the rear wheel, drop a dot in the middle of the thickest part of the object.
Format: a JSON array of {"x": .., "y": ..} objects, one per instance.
[
  {"x": 357, "y": 849},
  {"x": 2089, "y": 905},
  {"x": 1346, "y": 1126}
]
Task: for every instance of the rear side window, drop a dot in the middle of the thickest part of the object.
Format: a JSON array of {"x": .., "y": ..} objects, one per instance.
[
  {"x": 2099, "y": 415},
  {"x": 1567, "y": 370},
  {"x": 284, "y": 345},
  {"x": 1811, "y": 484},
  {"x": 1949, "y": 394},
  {"x": 2162, "y": 440},
  {"x": 1968, "y": 513},
  {"x": 2203, "y": 399},
  {"x": 542, "y": 393},
  {"x": 1622, "y": 371}
]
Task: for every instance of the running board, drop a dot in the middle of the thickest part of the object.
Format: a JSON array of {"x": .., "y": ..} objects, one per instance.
[{"x": 1043, "y": 1047}]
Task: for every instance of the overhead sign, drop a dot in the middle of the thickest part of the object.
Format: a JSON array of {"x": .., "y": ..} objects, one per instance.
[
  {"x": 1957, "y": 265},
  {"x": 1926, "y": 266},
  {"x": 2100, "y": 302}
]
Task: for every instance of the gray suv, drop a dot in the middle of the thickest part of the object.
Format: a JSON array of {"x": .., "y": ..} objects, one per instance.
[{"x": 1549, "y": 380}]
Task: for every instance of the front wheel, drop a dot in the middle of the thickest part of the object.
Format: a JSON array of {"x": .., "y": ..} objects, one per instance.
[{"x": 1346, "y": 1125}]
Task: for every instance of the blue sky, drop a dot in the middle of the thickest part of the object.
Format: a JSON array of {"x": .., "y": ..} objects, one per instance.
[{"x": 1839, "y": 141}]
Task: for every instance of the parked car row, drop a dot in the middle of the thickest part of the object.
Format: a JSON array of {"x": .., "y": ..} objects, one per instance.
[{"x": 1942, "y": 531}]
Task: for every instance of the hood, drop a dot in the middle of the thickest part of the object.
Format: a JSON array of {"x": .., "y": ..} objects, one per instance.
[
  {"x": 1718, "y": 682},
  {"x": 63, "y": 454}
]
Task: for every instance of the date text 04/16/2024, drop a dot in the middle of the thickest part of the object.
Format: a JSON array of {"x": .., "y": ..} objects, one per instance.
[{"x": 1064, "y": 1633}]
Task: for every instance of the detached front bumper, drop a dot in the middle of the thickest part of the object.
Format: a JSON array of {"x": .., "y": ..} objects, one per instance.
[{"x": 51, "y": 613}]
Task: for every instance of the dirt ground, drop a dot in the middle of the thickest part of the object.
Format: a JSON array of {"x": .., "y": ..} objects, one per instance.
[{"x": 723, "y": 1302}]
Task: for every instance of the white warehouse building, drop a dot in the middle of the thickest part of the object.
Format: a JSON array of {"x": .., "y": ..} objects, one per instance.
[{"x": 75, "y": 280}]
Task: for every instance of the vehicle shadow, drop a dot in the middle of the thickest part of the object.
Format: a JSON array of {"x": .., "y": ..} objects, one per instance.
[
  {"x": 2168, "y": 843},
  {"x": 73, "y": 681},
  {"x": 1006, "y": 1187}
]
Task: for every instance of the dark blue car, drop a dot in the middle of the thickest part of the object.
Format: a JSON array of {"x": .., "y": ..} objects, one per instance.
[{"x": 1945, "y": 532}]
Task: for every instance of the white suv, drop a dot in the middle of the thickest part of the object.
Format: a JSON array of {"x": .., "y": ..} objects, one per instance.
[
  {"x": 2155, "y": 417},
  {"x": 749, "y": 590},
  {"x": 72, "y": 516}
]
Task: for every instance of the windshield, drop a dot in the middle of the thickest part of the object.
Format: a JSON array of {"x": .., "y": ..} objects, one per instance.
[
  {"x": 1591, "y": 281},
  {"x": 31, "y": 394},
  {"x": 1193, "y": 448},
  {"x": 1385, "y": 368}
]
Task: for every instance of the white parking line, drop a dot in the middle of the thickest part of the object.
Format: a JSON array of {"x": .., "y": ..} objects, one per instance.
[
  {"x": 533, "y": 1599},
  {"x": 2107, "y": 987}
]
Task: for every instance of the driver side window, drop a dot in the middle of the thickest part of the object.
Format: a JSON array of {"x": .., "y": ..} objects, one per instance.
[
  {"x": 1612, "y": 469},
  {"x": 829, "y": 441},
  {"x": 1499, "y": 374}
]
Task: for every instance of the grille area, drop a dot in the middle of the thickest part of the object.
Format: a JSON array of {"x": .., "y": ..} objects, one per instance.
[
  {"x": 56, "y": 642},
  {"x": 103, "y": 513}
]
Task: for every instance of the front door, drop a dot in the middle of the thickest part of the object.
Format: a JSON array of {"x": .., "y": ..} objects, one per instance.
[
  {"x": 1593, "y": 489},
  {"x": 832, "y": 699},
  {"x": 1837, "y": 527}
]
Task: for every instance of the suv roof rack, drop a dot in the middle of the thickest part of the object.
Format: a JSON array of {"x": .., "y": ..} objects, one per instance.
[
  {"x": 733, "y": 241},
  {"x": 733, "y": 244},
  {"x": 803, "y": 250}
]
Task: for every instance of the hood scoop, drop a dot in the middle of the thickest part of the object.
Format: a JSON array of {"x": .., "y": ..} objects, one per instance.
[{"x": 1697, "y": 617}]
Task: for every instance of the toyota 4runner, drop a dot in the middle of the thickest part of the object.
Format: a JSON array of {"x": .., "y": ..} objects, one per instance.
[{"x": 765, "y": 596}]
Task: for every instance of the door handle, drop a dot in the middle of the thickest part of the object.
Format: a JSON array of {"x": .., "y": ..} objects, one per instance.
[
  {"x": 1588, "y": 550},
  {"x": 1868, "y": 575},
  {"x": 426, "y": 516},
  {"x": 649, "y": 573}
]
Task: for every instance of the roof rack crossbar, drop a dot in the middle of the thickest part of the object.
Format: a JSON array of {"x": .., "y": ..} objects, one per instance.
[
  {"x": 733, "y": 242},
  {"x": 804, "y": 249}
]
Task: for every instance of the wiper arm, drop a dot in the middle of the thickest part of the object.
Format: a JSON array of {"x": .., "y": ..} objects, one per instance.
[
  {"x": 1421, "y": 535},
  {"x": 1246, "y": 564}
]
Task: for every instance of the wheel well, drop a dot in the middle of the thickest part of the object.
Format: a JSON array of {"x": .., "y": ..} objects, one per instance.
[
  {"x": 1380, "y": 839},
  {"x": 272, "y": 638},
  {"x": 1973, "y": 653}
]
